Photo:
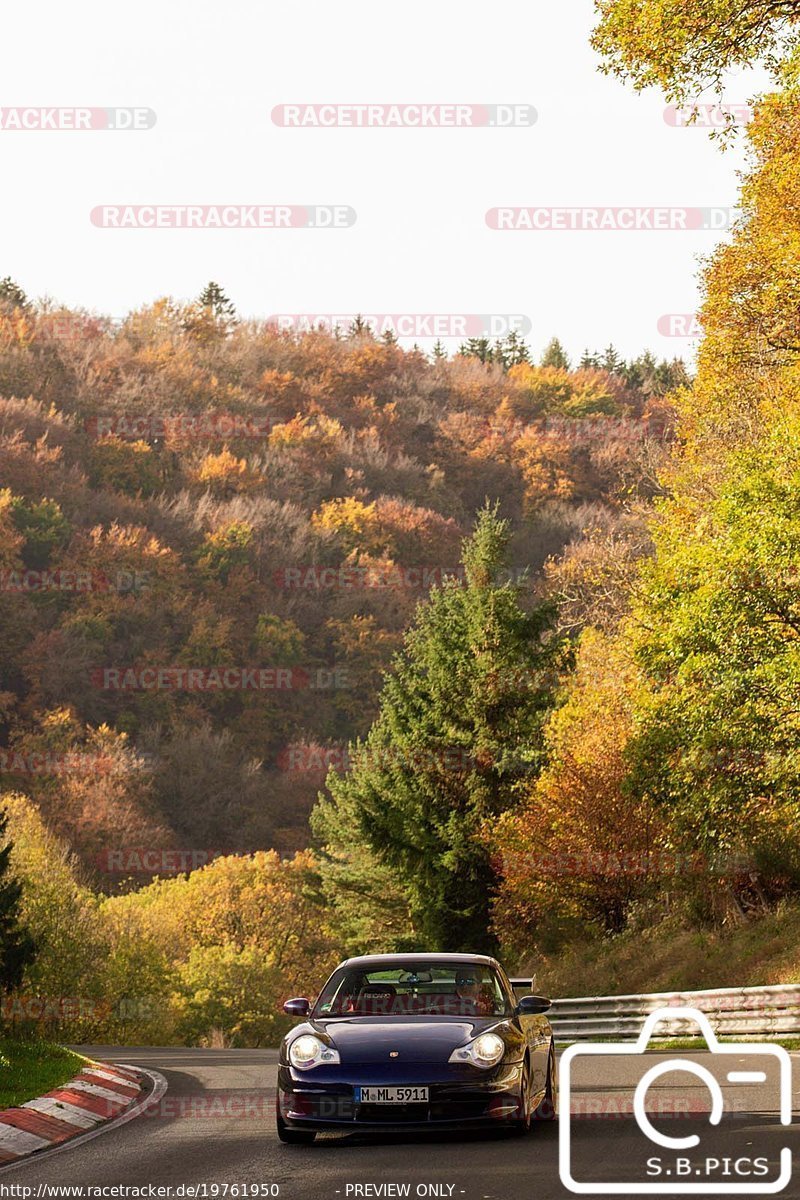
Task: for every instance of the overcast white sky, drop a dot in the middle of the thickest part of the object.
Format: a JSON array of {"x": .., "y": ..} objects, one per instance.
[{"x": 213, "y": 74}]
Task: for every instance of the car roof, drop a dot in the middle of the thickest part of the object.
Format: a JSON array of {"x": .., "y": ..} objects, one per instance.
[{"x": 372, "y": 960}]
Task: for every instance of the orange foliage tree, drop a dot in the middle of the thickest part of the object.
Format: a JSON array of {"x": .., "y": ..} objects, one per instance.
[{"x": 580, "y": 848}]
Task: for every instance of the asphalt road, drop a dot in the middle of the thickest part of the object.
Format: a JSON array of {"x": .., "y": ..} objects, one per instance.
[{"x": 215, "y": 1126}]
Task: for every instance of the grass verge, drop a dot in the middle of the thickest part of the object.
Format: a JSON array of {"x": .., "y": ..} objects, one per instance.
[
  {"x": 788, "y": 1043},
  {"x": 668, "y": 956},
  {"x": 668, "y": 1045},
  {"x": 29, "y": 1069}
]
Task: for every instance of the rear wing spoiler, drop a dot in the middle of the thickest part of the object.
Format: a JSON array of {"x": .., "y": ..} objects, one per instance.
[{"x": 521, "y": 985}]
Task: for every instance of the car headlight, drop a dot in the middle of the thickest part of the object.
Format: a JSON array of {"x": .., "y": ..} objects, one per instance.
[
  {"x": 308, "y": 1051},
  {"x": 486, "y": 1050}
]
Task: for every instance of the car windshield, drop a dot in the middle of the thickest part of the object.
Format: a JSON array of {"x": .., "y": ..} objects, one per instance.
[{"x": 443, "y": 989}]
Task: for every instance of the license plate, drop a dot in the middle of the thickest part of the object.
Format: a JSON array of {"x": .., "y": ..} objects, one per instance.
[{"x": 391, "y": 1095}]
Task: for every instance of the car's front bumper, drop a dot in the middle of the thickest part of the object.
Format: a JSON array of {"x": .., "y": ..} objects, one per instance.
[{"x": 458, "y": 1096}]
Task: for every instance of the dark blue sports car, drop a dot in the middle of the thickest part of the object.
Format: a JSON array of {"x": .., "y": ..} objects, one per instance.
[{"x": 416, "y": 1041}]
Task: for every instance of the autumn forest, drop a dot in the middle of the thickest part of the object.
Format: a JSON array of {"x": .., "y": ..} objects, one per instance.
[{"x": 319, "y": 642}]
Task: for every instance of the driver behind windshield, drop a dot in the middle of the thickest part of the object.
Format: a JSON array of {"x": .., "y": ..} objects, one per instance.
[
  {"x": 474, "y": 994},
  {"x": 464, "y": 990}
]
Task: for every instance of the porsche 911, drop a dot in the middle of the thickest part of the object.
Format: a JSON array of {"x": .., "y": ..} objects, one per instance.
[{"x": 416, "y": 1042}]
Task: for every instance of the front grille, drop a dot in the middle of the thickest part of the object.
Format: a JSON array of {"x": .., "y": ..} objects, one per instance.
[
  {"x": 392, "y": 1113},
  {"x": 455, "y": 1110},
  {"x": 329, "y": 1106},
  {"x": 324, "y": 1107}
]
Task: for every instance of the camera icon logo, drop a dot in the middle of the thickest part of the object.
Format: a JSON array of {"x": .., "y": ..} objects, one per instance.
[{"x": 674, "y": 1173}]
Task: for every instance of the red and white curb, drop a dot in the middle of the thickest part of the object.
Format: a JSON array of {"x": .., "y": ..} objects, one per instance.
[{"x": 100, "y": 1096}]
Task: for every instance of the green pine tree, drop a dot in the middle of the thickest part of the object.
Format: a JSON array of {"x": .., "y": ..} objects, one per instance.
[
  {"x": 515, "y": 350},
  {"x": 459, "y": 728},
  {"x": 211, "y": 317},
  {"x": 214, "y": 299},
  {"x": 12, "y": 295},
  {"x": 17, "y": 947},
  {"x": 478, "y": 347},
  {"x": 370, "y": 908},
  {"x": 612, "y": 361},
  {"x": 359, "y": 327},
  {"x": 555, "y": 355}
]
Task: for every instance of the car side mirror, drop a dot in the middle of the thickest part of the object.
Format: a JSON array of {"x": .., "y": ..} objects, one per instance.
[
  {"x": 529, "y": 1006},
  {"x": 299, "y": 1007}
]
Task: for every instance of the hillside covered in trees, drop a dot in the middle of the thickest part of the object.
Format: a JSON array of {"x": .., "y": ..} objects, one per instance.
[
  {"x": 452, "y": 651},
  {"x": 462, "y": 651},
  {"x": 186, "y": 492}
]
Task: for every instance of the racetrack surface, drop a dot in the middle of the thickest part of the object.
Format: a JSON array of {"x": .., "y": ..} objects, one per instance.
[{"x": 215, "y": 1126}]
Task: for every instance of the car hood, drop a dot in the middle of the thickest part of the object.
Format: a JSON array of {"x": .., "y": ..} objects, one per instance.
[{"x": 372, "y": 1039}]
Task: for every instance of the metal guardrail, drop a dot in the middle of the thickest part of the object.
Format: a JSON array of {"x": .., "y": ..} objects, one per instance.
[{"x": 749, "y": 1012}]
